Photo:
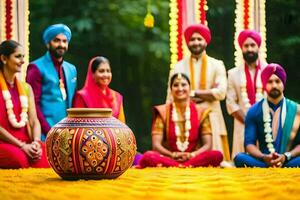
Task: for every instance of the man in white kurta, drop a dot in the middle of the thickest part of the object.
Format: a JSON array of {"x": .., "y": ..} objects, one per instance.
[
  {"x": 208, "y": 82},
  {"x": 244, "y": 86}
]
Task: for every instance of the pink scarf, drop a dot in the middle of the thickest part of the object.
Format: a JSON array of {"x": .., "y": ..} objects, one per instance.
[
  {"x": 251, "y": 85},
  {"x": 94, "y": 96}
]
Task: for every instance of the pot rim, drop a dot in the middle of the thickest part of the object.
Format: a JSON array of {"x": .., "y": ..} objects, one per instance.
[{"x": 89, "y": 112}]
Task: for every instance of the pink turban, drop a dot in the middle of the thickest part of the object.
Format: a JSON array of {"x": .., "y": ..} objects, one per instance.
[
  {"x": 271, "y": 69},
  {"x": 199, "y": 28},
  {"x": 249, "y": 33}
]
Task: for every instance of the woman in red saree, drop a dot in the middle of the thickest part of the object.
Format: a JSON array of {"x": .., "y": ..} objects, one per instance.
[
  {"x": 20, "y": 131},
  {"x": 96, "y": 92},
  {"x": 181, "y": 132}
]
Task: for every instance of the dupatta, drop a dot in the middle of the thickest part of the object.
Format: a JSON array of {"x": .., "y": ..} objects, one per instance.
[{"x": 94, "y": 97}]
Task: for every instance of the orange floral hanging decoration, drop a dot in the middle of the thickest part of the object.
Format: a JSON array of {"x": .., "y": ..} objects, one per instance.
[{"x": 149, "y": 19}]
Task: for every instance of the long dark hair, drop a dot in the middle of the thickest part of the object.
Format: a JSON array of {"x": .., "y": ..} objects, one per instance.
[
  {"x": 174, "y": 76},
  {"x": 7, "y": 48},
  {"x": 97, "y": 61}
]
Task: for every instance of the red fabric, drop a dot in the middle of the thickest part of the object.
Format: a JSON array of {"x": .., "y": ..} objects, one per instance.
[
  {"x": 12, "y": 157},
  {"x": 199, "y": 28},
  {"x": 249, "y": 33},
  {"x": 34, "y": 78},
  {"x": 58, "y": 66},
  {"x": 205, "y": 159},
  {"x": 251, "y": 85},
  {"x": 194, "y": 132},
  {"x": 271, "y": 69},
  {"x": 91, "y": 95},
  {"x": 19, "y": 133},
  {"x": 154, "y": 159}
]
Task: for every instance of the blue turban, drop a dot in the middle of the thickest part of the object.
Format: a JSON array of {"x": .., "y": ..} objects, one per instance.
[{"x": 54, "y": 30}]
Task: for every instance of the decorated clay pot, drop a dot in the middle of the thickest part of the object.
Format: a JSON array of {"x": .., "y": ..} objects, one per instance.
[{"x": 90, "y": 144}]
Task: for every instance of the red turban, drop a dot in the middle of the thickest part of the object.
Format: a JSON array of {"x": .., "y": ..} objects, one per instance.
[
  {"x": 249, "y": 33},
  {"x": 271, "y": 69},
  {"x": 199, "y": 28}
]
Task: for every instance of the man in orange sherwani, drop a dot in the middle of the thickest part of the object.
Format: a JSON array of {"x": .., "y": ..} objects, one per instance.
[{"x": 208, "y": 82}]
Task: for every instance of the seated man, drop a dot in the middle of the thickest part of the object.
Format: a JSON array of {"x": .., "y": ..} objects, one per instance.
[
  {"x": 181, "y": 133},
  {"x": 274, "y": 124}
]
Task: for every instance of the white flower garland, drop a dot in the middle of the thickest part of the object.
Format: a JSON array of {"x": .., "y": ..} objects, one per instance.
[
  {"x": 9, "y": 105},
  {"x": 259, "y": 91},
  {"x": 267, "y": 123},
  {"x": 267, "y": 126},
  {"x": 182, "y": 146}
]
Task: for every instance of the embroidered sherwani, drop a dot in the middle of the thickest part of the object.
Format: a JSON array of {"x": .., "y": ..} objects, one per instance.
[
  {"x": 234, "y": 102},
  {"x": 215, "y": 81}
]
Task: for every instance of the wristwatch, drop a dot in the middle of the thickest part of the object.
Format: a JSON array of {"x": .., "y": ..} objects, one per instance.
[{"x": 288, "y": 155}]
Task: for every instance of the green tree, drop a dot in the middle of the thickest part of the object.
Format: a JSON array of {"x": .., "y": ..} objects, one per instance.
[{"x": 140, "y": 57}]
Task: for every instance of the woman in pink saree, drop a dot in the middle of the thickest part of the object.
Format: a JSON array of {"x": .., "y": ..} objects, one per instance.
[{"x": 96, "y": 92}]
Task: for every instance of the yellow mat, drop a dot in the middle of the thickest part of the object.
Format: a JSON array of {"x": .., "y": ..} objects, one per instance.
[{"x": 155, "y": 183}]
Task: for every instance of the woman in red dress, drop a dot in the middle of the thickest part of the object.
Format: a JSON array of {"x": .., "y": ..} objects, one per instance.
[
  {"x": 20, "y": 131},
  {"x": 96, "y": 92},
  {"x": 181, "y": 132}
]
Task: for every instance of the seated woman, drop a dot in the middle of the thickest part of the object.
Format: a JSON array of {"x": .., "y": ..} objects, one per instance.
[
  {"x": 20, "y": 131},
  {"x": 96, "y": 93},
  {"x": 181, "y": 132}
]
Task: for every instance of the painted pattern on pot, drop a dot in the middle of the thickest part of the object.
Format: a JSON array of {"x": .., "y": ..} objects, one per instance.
[{"x": 90, "y": 144}]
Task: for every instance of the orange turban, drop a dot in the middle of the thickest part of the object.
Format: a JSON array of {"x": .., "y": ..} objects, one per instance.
[{"x": 199, "y": 28}]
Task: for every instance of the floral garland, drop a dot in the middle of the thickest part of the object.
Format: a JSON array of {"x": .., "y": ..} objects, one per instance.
[
  {"x": 250, "y": 15},
  {"x": 9, "y": 104},
  {"x": 267, "y": 126},
  {"x": 259, "y": 91},
  {"x": 182, "y": 146},
  {"x": 267, "y": 123},
  {"x": 8, "y": 20}
]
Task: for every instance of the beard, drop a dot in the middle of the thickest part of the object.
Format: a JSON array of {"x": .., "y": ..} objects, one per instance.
[
  {"x": 250, "y": 57},
  {"x": 57, "y": 52},
  {"x": 274, "y": 93},
  {"x": 197, "y": 49}
]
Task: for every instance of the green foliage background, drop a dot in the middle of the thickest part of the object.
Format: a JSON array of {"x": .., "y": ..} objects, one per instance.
[{"x": 140, "y": 57}]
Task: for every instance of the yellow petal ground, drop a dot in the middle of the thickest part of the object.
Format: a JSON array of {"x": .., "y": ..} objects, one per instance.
[{"x": 155, "y": 183}]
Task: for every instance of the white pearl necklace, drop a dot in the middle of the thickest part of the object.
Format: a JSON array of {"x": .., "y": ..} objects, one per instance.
[
  {"x": 182, "y": 146},
  {"x": 259, "y": 91}
]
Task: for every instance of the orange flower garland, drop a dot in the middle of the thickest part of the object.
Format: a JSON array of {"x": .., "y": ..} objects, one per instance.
[{"x": 9, "y": 104}]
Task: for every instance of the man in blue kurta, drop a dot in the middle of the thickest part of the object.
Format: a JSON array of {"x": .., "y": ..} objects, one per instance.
[
  {"x": 272, "y": 137},
  {"x": 53, "y": 80}
]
